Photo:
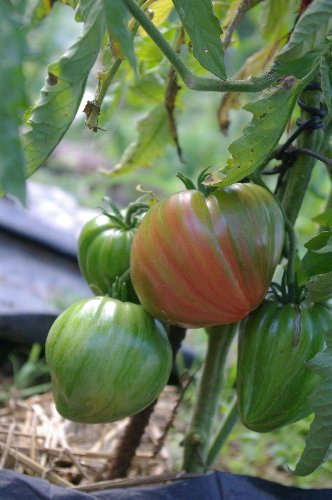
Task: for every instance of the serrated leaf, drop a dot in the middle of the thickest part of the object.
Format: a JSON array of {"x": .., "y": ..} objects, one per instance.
[
  {"x": 161, "y": 9},
  {"x": 252, "y": 66},
  {"x": 13, "y": 102},
  {"x": 117, "y": 18},
  {"x": 308, "y": 41},
  {"x": 318, "y": 259},
  {"x": 320, "y": 288},
  {"x": 271, "y": 112},
  {"x": 153, "y": 136},
  {"x": 319, "y": 438},
  {"x": 324, "y": 219},
  {"x": 61, "y": 95},
  {"x": 204, "y": 31},
  {"x": 326, "y": 79}
]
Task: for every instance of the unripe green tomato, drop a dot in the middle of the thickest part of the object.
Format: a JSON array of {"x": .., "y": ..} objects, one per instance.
[
  {"x": 273, "y": 381},
  {"x": 107, "y": 360},
  {"x": 104, "y": 254}
]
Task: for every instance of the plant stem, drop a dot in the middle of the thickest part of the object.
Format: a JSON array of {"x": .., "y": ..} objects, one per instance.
[
  {"x": 298, "y": 177},
  {"x": 244, "y": 6},
  {"x": 253, "y": 84},
  {"x": 223, "y": 433},
  {"x": 134, "y": 431},
  {"x": 196, "y": 442},
  {"x": 107, "y": 78}
]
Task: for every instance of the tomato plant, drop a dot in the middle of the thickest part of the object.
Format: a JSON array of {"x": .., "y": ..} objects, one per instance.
[
  {"x": 104, "y": 248},
  {"x": 107, "y": 359},
  {"x": 200, "y": 261},
  {"x": 273, "y": 382},
  {"x": 197, "y": 259}
]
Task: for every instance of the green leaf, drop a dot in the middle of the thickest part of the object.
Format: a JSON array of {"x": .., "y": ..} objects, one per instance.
[
  {"x": 117, "y": 22},
  {"x": 326, "y": 79},
  {"x": 318, "y": 259},
  {"x": 324, "y": 219},
  {"x": 271, "y": 112},
  {"x": 273, "y": 14},
  {"x": 61, "y": 95},
  {"x": 13, "y": 102},
  {"x": 153, "y": 136},
  {"x": 204, "y": 31},
  {"x": 320, "y": 288},
  {"x": 319, "y": 438},
  {"x": 308, "y": 41}
]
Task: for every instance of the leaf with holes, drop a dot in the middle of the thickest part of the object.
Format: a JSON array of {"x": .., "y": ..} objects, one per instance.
[
  {"x": 254, "y": 149},
  {"x": 204, "y": 31},
  {"x": 319, "y": 438},
  {"x": 308, "y": 41},
  {"x": 13, "y": 102},
  {"x": 61, "y": 95}
]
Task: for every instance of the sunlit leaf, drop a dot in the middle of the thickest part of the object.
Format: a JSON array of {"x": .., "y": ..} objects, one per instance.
[
  {"x": 160, "y": 9},
  {"x": 274, "y": 14},
  {"x": 271, "y": 112},
  {"x": 308, "y": 40},
  {"x": 13, "y": 102},
  {"x": 204, "y": 31},
  {"x": 319, "y": 438},
  {"x": 61, "y": 95},
  {"x": 153, "y": 136}
]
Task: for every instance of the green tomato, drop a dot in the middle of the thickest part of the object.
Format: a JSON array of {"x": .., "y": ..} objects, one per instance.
[
  {"x": 108, "y": 360},
  {"x": 104, "y": 254},
  {"x": 273, "y": 381}
]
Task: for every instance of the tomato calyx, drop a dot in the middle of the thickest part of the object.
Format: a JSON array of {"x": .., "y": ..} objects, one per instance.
[
  {"x": 200, "y": 185},
  {"x": 128, "y": 218},
  {"x": 284, "y": 294}
]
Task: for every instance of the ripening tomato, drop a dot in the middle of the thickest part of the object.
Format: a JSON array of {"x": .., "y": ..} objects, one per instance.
[
  {"x": 199, "y": 261},
  {"x": 108, "y": 360},
  {"x": 273, "y": 381}
]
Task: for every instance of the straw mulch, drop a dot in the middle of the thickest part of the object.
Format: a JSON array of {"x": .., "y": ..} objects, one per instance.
[{"x": 36, "y": 440}]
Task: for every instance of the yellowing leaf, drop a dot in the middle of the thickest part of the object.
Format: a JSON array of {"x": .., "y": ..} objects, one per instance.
[{"x": 161, "y": 10}]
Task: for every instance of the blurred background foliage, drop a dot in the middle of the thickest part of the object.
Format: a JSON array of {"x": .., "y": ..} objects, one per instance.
[{"x": 77, "y": 162}]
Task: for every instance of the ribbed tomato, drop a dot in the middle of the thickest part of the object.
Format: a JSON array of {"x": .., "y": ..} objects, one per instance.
[
  {"x": 199, "y": 261},
  {"x": 104, "y": 254},
  {"x": 273, "y": 382},
  {"x": 107, "y": 359}
]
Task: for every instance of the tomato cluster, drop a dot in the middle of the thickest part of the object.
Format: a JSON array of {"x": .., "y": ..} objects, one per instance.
[{"x": 195, "y": 260}]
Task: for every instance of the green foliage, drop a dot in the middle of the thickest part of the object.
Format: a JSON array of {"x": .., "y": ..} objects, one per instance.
[
  {"x": 61, "y": 95},
  {"x": 153, "y": 135},
  {"x": 317, "y": 260},
  {"x": 12, "y": 90},
  {"x": 326, "y": 79},
  {"x": 320, "y": 287},
  {"x": 308, "y": 41},
  {"x": 254, "y": 149},
  {"x": 319, "y": 439},
  {"x": 117, "y": 19},
  {"x": 204, "y": 30}
]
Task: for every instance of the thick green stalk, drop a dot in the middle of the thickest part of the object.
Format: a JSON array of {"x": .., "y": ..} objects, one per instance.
[
  {"x": 298, "y": 177},
  {"x": 254, "y": 84},
  {"x": 196, "y": 442},
  {"x": 223, "y": 433}
]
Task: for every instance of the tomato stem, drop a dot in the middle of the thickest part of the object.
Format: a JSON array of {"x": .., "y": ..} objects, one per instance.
[
  {"x": 197, "y": 440},
  {"x": 225, "y": 429},
  {"x": 253, "y": 84}
]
